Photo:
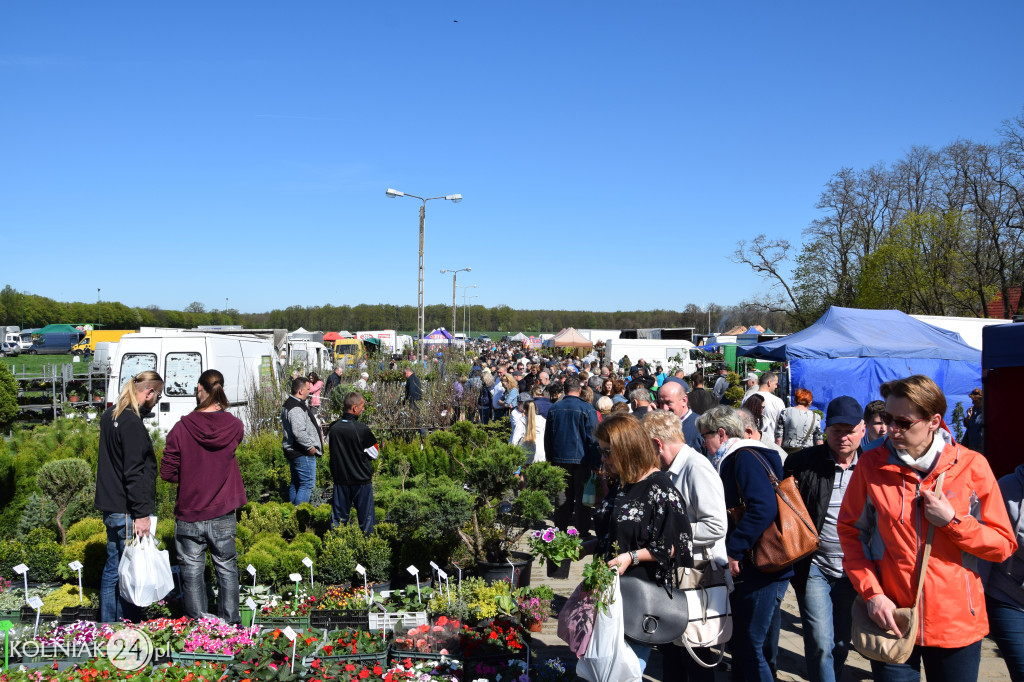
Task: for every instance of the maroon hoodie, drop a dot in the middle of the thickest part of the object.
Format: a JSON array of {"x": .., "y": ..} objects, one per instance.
[{"x": 200, "y": 458}]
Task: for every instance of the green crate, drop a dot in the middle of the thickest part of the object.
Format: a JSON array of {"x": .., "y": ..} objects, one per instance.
[{"x": 193, "y": 656}]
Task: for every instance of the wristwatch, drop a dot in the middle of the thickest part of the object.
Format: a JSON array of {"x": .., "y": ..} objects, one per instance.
[{"x": 633, "y": 558}]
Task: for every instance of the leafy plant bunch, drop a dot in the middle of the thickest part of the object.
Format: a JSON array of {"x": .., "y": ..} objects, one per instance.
[
  {"x": 297, "y": 603},
  {"x": 403, "y": 600},
  {"x": 598, "y": 578},
  {"x": 556, "y": 545},
  {"x": 344, "y": 671},
  {"x": 275, "y": 645}
]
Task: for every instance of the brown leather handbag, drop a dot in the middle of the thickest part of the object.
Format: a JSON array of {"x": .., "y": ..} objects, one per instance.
[{"x": 792, "y": 536}]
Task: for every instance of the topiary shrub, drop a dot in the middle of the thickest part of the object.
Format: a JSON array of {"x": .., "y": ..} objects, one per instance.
[
  {"x": 313, "y": 519},
  {"x": 43, "y": 555},
  {"x": 274, "y": 518},
  {"x": 67, "y": 483},
  {"x": 337, "y": 560},
  {"x": 67, "y": 595},
  {"x": 85, "y": 529}
]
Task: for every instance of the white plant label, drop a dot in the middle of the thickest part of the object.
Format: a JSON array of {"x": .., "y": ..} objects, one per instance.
[
  {"x": 20, "y": 569},
  {"x": 36, "y": 603},
  {"x": 307, "y": 562},
  {"x": 442, "y": 575},
  {"x": 251, "y": 569},
  {"x": 295, "y": 577},
  {"x": 413, "y": 570},
  {"x": 435, "y": 566},
  {"x": 75, "y": 566},
  {"x": 289, "y": 633},
  {"x": 359, "y": 569},
  {"x": 250, "y": 604}
]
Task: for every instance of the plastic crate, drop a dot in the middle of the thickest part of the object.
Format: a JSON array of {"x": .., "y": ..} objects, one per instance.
[
  {"x": 193, "y": 656},
  {"x": 380, "y": 658},
  {"x": 296, "y": 622},
  {"x": 402, "y": 619},
  {"x": 339, "y": 619},
  {"x": 72, "y": 614},
  {"x": 28, "y": 615}
]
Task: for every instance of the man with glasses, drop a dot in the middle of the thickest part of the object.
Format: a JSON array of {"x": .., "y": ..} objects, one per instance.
[{"x": 823, "y": 591}]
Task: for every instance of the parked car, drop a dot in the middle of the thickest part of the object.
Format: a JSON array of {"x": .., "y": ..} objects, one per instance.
[
  {"x": 9, "y": 349},
  {"x": 483, "y": 338}
]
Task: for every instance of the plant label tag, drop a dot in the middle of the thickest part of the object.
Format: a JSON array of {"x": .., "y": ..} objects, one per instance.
[
  {"x": 75, "y": 565},
  {"x": 289, "y": 633},
  {"x": 413, "y": 570},
  {"x": 385, "y": 593},
  {"x": 307, "y": 562},
  {"x": 295, "y": 577},
  {"x": 442, "y": 575},
  {"x": 250, "y": 604},
  {"x": 20, "y": 569},
  {"x": 36, "y": 603},
  {"x": 251, "y": 570},
  {"x": 435, "y": 566},
  {"x": 360, "y": 570}
]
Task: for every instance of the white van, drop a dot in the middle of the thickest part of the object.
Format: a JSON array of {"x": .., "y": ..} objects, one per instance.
[
  {"x": 180, "y": 356},
  {"x": 310, "y": 356},
  {"x": 655, "y": 351}
]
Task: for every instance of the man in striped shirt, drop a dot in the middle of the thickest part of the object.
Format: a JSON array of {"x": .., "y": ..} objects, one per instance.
[{"x": 823, "y": 591}]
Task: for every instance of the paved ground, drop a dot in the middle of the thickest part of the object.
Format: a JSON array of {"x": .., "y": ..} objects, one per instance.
[{"x": 791, "y": 662}]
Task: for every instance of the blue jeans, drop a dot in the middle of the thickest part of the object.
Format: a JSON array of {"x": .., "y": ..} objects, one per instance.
[
  {"x": 940, "y": 665},
  {"x": 192, "y": 538},
  {"x": 303, "y": 478},
  {"x": 756, "y": 622},
  {"x": 113, "y": 607},
  {"x": 347, "y": 495},
  {"x": 825, "y": 604},
  {"x": 1006, "y": 628}
]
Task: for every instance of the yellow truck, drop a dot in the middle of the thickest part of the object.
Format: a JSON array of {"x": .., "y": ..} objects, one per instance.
[
  {"x": 348, "y": 351},
  {"x": 95, "y": 336}
]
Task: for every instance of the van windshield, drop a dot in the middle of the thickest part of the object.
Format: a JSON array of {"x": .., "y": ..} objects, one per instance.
[{"x": 133, "y": 363}]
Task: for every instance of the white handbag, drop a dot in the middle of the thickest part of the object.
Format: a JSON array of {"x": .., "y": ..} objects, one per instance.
[{"x": 710, "y": 614}]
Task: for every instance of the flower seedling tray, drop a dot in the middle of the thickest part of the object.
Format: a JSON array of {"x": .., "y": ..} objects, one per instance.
[
  {"x": 72, "y": 614},
  {"x": 296, "y": 622},
  {"x": 403, "y": 619},
  {"x": 28, "y": 615},
  {"x": 193, "y": 656},
  {"x": 332, "y": 619},
  {"x": 379, "y": 657}
]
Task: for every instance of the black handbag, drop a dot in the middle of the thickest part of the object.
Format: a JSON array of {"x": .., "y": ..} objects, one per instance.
[{"x": 651, "y": 614}]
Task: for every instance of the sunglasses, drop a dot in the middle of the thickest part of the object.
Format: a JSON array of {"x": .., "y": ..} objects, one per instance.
[
  {"x": 899, "y": 422},
  {"x": 605, "y": 452}
]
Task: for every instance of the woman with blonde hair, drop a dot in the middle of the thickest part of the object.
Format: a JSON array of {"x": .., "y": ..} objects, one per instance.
[
  {"x": 643, "y": 513},
  {"x": 126, "y": 482},
  {"x": 528, "y": 429}
]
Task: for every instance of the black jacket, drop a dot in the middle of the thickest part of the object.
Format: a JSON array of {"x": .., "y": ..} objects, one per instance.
[
  {"x": 353, "y": 448},
  {"x": 413, "y": 389},
  {"x": 815, "y": 473},
  {"x": 125, "y": 466}
]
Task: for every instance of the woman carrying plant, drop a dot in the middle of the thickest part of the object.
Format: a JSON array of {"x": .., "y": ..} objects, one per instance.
[
  {"x": 883, "y": 524},
  {"x": 200, "y": 458},
  {"x": 643, "y": 513},
  {"x": 126, "y": 483}
]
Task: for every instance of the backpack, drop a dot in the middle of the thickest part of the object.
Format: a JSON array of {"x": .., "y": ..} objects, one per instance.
[{"x": 485, "y": 397}]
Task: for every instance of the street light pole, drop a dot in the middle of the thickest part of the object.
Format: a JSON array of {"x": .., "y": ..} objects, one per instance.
[
  {"x": 470, "y": 333},
  {"x": 454, "y": 198},
  {"x": 464, "y": 292},
  {"x": 455, "y": 273},
  {"x": 99, "y": 309}
]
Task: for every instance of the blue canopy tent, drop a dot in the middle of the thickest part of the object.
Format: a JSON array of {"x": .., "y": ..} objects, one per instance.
[
  {"x": 440, "y": 335},
  {"x": 853, "y": 352},
  {"x": 1002, "y": 356}
]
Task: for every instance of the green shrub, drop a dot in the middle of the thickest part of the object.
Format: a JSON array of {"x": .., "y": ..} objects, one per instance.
[
  {"x": 275, "y": 518},
  {"x": 92, "y": 552},
  {"x": 8, "y": 398},
  {"x": 67, "y": 595},
  {"x": 67, "y": 483},
  {"x": 337, "y": 560},
  {"x": 263, "y": 466},
  {"x": 86, "y": 528},
  {"x": 43, "y": 555},
  {"x": 312, "y": 519}
]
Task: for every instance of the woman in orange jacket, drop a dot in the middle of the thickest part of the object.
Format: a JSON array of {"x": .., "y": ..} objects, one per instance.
[{"x": 883, "y": 525}]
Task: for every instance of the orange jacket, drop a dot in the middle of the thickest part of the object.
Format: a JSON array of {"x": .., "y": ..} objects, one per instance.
[{"x": 882, "y": 530}]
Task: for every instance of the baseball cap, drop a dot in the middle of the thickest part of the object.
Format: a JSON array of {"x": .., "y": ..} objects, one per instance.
[
  {"x": 844, "y": 410},
  {"x": 751, "y": 377}
]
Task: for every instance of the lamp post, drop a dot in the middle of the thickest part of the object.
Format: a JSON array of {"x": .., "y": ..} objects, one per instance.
[
  {"x": 454, "y": 198},
  {"x": 470, "y": 332},
  {"x": 99, "y": 309},
  {"x": 464, "y": 291},
  {"x": 455, "y": 273}
]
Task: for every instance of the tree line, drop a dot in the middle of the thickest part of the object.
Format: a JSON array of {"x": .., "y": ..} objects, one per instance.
[
  {"x": 938, "y": 232},
  {"x": 31, "y": 311}
]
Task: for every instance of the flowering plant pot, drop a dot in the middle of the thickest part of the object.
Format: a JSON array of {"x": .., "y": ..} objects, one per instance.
[{"x": 556, "y": 546}]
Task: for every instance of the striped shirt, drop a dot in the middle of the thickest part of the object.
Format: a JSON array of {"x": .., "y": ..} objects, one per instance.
[{"x": 829, "y": 557}]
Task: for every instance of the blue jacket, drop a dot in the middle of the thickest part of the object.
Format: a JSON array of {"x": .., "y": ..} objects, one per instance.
[
  {"x": 569, "y": 433},
  {"x": 744, "y": 478}
]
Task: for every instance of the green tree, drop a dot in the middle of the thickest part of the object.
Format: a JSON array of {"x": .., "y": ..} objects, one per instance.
[
  {"x": 8, "y": 398},
  {"x": 67, "y": 483}
]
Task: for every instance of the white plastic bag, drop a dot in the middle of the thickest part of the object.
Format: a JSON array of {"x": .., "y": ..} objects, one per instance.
[
  {"x": 144, "y": 573},
  {"x": 608, "y": 657}
]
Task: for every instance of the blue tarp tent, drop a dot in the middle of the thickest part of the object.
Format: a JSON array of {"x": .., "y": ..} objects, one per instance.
[{"x": 852, "y": 352}]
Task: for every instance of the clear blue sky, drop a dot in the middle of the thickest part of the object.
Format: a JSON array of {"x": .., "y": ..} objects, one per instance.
[{"x": 168, "y": 152}]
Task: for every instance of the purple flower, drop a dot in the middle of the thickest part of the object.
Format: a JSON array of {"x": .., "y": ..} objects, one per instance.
[
  {"x": 536, "y": 533},
  {"x": 549, "y": 535},
  {"x": 572, "y": 532}
]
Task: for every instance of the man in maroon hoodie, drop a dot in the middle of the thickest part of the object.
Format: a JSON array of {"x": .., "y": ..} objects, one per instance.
[{"x": 200, "y": 458}]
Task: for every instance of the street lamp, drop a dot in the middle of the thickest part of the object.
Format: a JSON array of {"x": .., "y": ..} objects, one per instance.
[
  {"x": 464, "y": 291},
  {"x": 99, "y": 310},
  {"x": 455, "y": 273},
  {"x": 454, "y": 198},
  {"x": 470, "y": 332}
]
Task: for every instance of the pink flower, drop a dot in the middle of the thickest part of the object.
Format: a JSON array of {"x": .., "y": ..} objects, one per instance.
[
  {"x": 549, "y": 535},
  {"x": 572, "y": 532}
]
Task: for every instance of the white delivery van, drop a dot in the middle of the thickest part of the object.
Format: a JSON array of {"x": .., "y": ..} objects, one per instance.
[
  {"x": 310, "y": 356},
  {"x": 654, "y": 351},
  {"x": 103, "y": 357},
  {"x": 246, "y": 360}
]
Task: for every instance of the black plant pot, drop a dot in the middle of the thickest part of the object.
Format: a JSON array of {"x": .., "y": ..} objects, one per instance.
[
  {"x": 560, "y": 571},
  {"x": 518, "y": 571}
]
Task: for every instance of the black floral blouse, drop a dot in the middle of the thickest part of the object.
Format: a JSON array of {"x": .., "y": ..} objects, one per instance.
[{"x": 649, "y": 514}]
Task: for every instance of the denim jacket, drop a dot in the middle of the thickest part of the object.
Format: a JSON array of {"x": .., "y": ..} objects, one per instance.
[{"x": 569, "y": 434}]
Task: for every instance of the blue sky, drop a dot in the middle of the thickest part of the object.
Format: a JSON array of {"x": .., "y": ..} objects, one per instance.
[{"x": 173, "y": 152}]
